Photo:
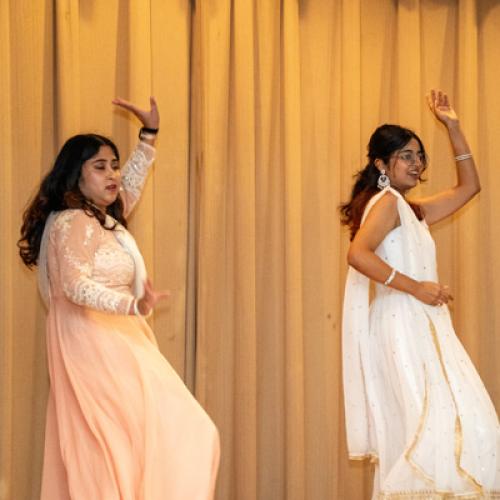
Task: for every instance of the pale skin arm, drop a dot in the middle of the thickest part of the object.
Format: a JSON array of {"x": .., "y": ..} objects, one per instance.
[
  {"x": 445, "y": 203},
  {"x": 382, "y": 218}
]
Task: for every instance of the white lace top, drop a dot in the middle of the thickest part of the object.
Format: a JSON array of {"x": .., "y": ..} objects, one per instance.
[{"x": 85, "y": 262}]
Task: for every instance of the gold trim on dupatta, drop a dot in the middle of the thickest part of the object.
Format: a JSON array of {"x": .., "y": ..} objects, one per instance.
[
  {"x": 438, "y": 495},
  {"x": 458, "y": 423},
  {"x": 416, "y": 438},
  {"x": 372, "y": 457}
]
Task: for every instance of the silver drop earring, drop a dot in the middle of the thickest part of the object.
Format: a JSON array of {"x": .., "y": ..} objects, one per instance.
[{"x": 383, "y": 181}]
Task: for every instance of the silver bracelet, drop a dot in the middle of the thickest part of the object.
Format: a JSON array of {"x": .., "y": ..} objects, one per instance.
[
  {"x": 147, "y": 136},
  {"x": 463, "y": 157},
  {"x": 148, "y": 132},
  {"x": 388, "y": 281},
  {"x": 138, "y": 313}
]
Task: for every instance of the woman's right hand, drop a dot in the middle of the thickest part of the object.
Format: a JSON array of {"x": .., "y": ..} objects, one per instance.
[
  {"x": 440, "y": 105},
  {"x": 432, "y": 294},
  {"x": 149, "y": 118}
]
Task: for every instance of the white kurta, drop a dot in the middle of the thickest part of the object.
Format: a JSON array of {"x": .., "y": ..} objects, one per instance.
[{"x": 414, "y": 401}]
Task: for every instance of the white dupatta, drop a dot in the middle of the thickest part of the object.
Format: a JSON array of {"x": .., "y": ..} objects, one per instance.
[
  {"x": 123, "y": 237},
  {"x": 355, "y": 330}
]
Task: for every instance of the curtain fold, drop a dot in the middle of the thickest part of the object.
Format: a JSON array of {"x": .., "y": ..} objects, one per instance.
[
  {"x": 6, "y": 255},
  {"x": 266, "y": 110}
]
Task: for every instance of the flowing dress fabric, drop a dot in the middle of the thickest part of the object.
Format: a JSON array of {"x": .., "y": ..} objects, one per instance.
[
  {"x": 121, "y": 424},
  {"x": 414, "y": 402}
]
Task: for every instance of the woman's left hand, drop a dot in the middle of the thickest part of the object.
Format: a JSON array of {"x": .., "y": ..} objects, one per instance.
[
  {"x": 440, "y": 105},
  {"x": 149, "y": 119},
  {"x": 150, "y": 298}
]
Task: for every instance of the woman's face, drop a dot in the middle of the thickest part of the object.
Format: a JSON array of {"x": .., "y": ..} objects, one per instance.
[
  {"x": 100, "y": 178},
  {"x": 405, "y": 166}
]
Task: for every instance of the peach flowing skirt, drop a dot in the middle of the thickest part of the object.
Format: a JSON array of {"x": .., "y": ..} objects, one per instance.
[{"x": 121, "y": 424}]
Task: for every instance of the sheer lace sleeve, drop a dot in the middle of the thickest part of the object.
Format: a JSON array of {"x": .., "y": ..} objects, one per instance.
[
  {"x": 76, "y": 237},
  {"x": 134, "y": 174}
]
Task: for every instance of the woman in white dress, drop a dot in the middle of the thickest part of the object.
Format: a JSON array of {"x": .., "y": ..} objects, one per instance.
[{"x": 415, "y": 404}]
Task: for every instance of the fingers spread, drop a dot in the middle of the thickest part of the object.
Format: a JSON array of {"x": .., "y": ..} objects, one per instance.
[{"x": 123, "y": 103}]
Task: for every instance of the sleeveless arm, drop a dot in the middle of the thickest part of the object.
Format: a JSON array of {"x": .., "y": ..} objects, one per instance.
[
  {"x": 134, "y": 174},
  {"x": 76, "y": 237},
  {"x": 380, "y": 215}
]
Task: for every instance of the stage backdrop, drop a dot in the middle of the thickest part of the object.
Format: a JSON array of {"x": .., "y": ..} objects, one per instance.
[{"x": 267, "y": 107}]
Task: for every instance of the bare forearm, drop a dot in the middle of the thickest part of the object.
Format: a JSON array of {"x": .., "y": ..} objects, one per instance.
[
  {"x": 467, "y": 174},
  {"x": 457, "y": 138},
  {"x": 372, "y": 266}
]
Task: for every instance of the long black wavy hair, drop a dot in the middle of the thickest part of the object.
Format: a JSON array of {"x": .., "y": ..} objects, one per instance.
[
  {"x": 384, "y": 142},
  {"x": 59, "y": 190}
]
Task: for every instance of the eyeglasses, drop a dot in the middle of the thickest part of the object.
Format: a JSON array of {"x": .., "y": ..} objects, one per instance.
[{"x": 410, "y": 157}]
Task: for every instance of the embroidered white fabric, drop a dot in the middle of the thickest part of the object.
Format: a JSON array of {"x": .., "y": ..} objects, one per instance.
[
  {"x": 135, "y": 170},
  {"x": 94, "y": 271},
  {"x": 97, "y": 263},
  {"x": 414, "y": 402}
]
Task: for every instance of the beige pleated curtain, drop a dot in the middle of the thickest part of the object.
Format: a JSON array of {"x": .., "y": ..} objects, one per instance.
[{"x": 267, "y": 107}]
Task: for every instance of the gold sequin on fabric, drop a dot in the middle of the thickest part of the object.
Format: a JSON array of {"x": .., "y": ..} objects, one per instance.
[
  {"x": 432, "y": 494},
  {"x": 458, "y": 423},
  {"x": 416, "y": 439}
]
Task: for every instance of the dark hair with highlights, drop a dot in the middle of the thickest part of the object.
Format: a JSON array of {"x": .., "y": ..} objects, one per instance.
[
  {"x": 59, "y": 190},
  {"x": 384, "y": 142}
]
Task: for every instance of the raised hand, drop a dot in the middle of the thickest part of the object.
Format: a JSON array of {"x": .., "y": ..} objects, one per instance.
[
  {"x": 440, "y": 105},
  {"x": 149, "y": 119}
]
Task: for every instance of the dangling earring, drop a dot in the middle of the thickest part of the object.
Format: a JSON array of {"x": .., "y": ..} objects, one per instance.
[{"x": 383, "y": 181}]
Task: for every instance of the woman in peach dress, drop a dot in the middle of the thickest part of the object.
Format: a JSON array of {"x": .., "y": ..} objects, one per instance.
[{"x": 121, "y": 424}]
